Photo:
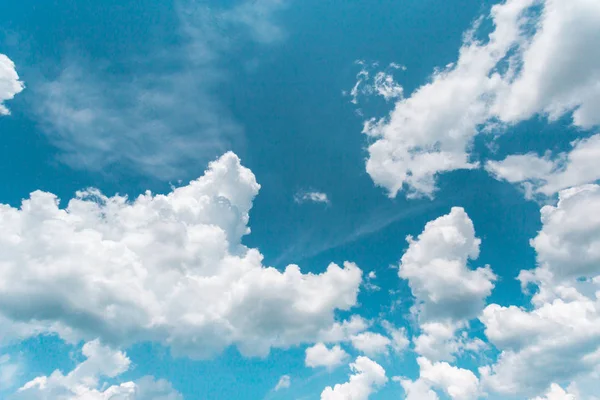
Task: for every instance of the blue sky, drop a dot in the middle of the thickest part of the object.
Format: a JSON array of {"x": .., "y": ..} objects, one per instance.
[{"x": 443, "y": 155}]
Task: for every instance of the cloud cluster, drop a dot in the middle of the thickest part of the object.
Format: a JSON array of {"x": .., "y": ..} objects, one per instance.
[
  {"x": 558, "y": 339},
  {"x": 529, "y": 65},
  {"x": 10, "y": 85},
  {"x": 168, "y": 268},
  {"x": 84, "y": 381}
]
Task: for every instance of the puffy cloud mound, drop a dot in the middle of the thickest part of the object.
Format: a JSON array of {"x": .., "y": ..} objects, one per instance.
[
  {"x": 536, "y": 61},
  {"x": 447, "y": 292},
  {"x": 457, "y": 383},
  {"x": 83, "y": 382},
  {"x": 320, "y": 355},
  {"x": 435, "y": 265},
  {"x": 10, "y": 85},
  {"x": 367, "y": 377},
  {"x": 558, "y": 338},
  {"x": 556, "y": 393},
  {"x": 168, "y": 268}
]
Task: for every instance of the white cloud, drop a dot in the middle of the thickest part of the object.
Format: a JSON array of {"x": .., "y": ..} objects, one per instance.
[
  {"x": 556, "y": 393},
  {"x": 84, "y": 382},
  {"x": 284, "y": 383},
  {"x": 370, "y": 343},
  {"x": 10, "y": 85},
  {"x": 435, "y": 265},
  {"x": 547, "y": 175},
  {"x": 511, "y": 77},
  {"x": 313, "y": 197},
  {"x": 367, "y": 377},
  {"x": 320, "y": 355},
  {"x": 399, "y": 340},
  {"x": 168, "y": 268},
  {"x": 457, "y": 383},
  {"x": 417, "y": 390},
  {"x": 558, "y": 338},
  {"x": 447, "y": 292}
]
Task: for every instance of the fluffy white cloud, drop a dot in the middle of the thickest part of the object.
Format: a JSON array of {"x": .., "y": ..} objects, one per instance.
[
  {"x": 370, "y": 343},
  {"x": 284, "y": 383},
  {"x": 457, "y": 383},
  {"x": 168, "y": 268},
  {"x": 533, "y": 62},
  {"x": 417, "y": 390},
  {"x": 320, "y": 355},
  {"x": 83, "y": 382},
  {"x": 547, "y": 175},
  {"x": 556, "y": 393},
  {"x": 10, "y": 85},
  {"x": 447, "y": 292},
  {"x": 435, "y": 265},
  {"x": 367, "y": 377},
  {"x": 558, "y": 339}
]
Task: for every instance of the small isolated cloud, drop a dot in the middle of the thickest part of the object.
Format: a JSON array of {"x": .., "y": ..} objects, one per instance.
[
  {"x": 311, "y": 197},
  {"x": 10, "y": 85},
  {"x": 284, "y": 383},
  {"x": 380, "y": 83}
]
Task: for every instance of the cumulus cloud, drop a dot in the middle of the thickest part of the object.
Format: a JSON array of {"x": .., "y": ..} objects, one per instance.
[
  {"x": 546, "y": 175},
  {"x": 320, "y": 355},
  {"x": 284, "y": 383},
  {"x": 556, "y": 393},
  {"x": 457, "y": 383},
  {"x": 436, "y": 268},
  {"x": 370, "y": 343},
  {"x": 558, "y": 338},
  {"x": 448, "y": 293},
  {"x": 10, "y": 85},
  {"x": 312, "y": 197},
  {"x": 367, "y": 377},
  {"x": 168, "y": 268},
  {"x": 532, "y": 63},
  {"x": 84, "y": 381}
]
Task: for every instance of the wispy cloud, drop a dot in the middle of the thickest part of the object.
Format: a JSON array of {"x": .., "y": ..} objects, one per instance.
[
  {"x": 166, "y": 114},
  {"x": 312, "y": 197},
  {"x": 284, "y": 383}
]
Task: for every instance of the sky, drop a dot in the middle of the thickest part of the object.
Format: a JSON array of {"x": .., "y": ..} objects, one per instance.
[{"x": 285, "y": 199}]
